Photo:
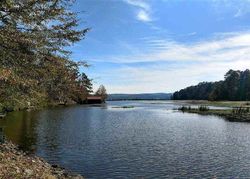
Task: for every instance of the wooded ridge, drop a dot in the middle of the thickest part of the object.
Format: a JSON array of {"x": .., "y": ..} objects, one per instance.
[{"x": 234, "y": 87}]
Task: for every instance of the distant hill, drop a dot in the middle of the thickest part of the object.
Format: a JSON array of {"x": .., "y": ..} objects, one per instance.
[{"x": 142, "y": 96}]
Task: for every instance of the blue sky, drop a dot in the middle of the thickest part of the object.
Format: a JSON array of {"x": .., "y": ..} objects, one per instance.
[{"x": 137, "y": 46}]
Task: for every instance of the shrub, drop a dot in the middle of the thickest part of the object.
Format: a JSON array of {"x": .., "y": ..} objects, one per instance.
[{"x": 203, "y": 108}]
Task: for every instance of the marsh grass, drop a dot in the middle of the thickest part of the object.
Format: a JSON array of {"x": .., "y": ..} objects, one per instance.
[
  {"x": 123, "y": 107},
  {"x": 235, "y": 114}
]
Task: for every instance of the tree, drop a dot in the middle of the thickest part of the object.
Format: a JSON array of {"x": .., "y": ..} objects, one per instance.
[
  {"x": 231, "y": 85},
  {"x": 85, "y": 82},
  {"x": 235, "y": 86},
  {"x": 34, "y": 65},
  {"x": 102, "y": 92},
  {"x": 83, "y": 88}
]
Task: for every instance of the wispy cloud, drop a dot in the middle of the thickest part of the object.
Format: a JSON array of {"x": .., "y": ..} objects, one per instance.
[
  {"x": 228, "y": 48},
  {"x": 139, "y": 3},
  {"x": 167, "y": 78},
  {"x": 143, "y": 12},
  {"x": 176, "y": 65},
  {"x": 239, "y": 13},
  {"x": 143, "y": 16},
  {"x": 237, "y": 8}
]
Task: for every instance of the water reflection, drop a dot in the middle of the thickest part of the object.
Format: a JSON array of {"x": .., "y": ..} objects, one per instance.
[
  {"x": 149, "y": 141},
  {"x": 19, "y": 127}
]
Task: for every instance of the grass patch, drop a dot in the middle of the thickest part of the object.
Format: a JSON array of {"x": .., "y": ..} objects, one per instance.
[
  {"x": 189, "y": 108},
  {"x": 216, "y": 103},
  {"x": 237, "y": 114},
  {"x": 123, "y": 107}
]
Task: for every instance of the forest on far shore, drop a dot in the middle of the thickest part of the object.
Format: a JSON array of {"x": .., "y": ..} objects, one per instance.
[{"x": 234, "y": 87}]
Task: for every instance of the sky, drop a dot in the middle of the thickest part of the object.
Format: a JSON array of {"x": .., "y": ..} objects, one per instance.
[{"x": 146, "y": 46}]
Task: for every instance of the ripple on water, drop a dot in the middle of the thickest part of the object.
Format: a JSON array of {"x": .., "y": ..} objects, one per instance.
[{"x": 148, "y": 141}]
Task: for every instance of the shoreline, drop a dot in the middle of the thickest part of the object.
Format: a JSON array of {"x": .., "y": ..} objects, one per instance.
[
  {"x": 14, "y": 163},
  {"x": 214, "y": 103},
  {"x": 227, "y": 114}
]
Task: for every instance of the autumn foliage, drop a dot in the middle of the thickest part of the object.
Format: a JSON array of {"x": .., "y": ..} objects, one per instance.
[{"x": 35, "y": 67}]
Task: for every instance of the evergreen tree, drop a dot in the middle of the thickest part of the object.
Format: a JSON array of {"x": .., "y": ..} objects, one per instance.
[{"x": 236, "y": 86}]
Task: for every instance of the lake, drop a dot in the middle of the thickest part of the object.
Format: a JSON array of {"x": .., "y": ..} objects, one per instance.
[{"x": 150, "y": 140}]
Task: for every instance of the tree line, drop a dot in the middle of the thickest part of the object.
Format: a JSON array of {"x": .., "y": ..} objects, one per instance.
[
  {"x": 234, "y": 87},
  {"x": 35, "y": 65}
]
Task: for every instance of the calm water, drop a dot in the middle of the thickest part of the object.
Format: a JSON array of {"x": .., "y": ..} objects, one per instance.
[{"x": 148, "y": 141}]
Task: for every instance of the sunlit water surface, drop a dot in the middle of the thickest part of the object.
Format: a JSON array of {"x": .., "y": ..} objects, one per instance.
[{"x": 148, "y": 141}]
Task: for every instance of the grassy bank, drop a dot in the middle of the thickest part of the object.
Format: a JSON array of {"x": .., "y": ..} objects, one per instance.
[
  {"x": 215, "y": 103},
  {"x": 236, "y": 114}
]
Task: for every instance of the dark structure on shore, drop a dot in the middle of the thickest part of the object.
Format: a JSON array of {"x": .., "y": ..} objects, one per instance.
[{"x": 94, "y": 100}]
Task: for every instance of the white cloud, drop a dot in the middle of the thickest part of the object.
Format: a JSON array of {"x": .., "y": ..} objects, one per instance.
[
  {"x": 143, "y": 16},
  {"x": 239, "y": 13},
  {"x": 139, "y": 3},
  {"x": 237, "y": 8},
  {"x": 143, "y": 12},
  {"x": 165, "y": 78},
  {"x": 228, "y": 48},
  {"x": 181, "y": 64}
]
